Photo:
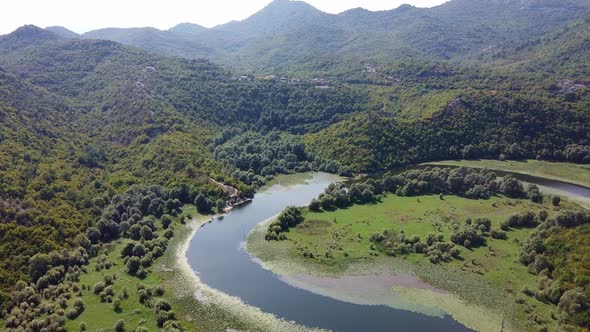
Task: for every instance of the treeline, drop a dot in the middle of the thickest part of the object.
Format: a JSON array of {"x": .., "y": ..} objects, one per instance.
[
  {"x": 253, "y": 158},
  {"x": 558, "y": 252},
  {"x": 144, "y": 216},
  {"x": 472, "y": 126},
  {"x": 462, "y": 181}
]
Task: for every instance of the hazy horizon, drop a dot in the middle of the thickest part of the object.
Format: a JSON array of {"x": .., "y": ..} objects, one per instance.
[{"x": 85, "y": 17}]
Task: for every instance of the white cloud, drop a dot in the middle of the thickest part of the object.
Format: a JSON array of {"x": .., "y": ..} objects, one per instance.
[{"x": 82, "y": 16}]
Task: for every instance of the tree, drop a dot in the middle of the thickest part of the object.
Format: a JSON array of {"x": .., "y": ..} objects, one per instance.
[
  {"x": 511, "y": 187},
  {"x": 93, "y": 234},
  {"x": 135, "y": 232},
  {"x": 120, "y": 326},
  {"x": 534, "y": 194},
  {"x": 327, "y": 202},
  {"x": 133, "y": 264},
  {"x": 220, "y": 205},
  {"x": 203, "y": 204},
  {"x": 315, "y": 205},
  {"x": 166, "y": 221},
  {"x": 556, "y": 200},
  {"x": 146, "y": 233},
  {"x": 117, "y": 304},
  {"x": 38, "y": 266},
  {"x": 139, "y": 250}
]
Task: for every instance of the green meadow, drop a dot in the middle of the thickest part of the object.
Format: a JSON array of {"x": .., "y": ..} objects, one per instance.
[{"x": 488, "y": 277}]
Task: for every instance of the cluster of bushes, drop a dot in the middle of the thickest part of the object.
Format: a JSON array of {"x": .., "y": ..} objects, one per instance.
[
  {"x": 44, "y": 307},
  {"x": 525, "y": 219},
  {"x": 473, "y": 233},
  {"x": 434, "y": 247},
  {"x": 126, "y": 214},
  {"x": 291, "y": 217},
  {"x": 151, "y": 298},
  {"x": 137, "y": 257},
  {"x": 558, "y": 251},
  {"x": 338, "y": 195}
]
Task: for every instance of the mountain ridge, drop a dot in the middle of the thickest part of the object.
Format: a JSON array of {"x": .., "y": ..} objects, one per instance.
[{"x": 293, "y": 34}]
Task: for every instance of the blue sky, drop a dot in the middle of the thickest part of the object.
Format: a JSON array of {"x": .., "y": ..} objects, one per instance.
[{"x": 82, "y": 16}]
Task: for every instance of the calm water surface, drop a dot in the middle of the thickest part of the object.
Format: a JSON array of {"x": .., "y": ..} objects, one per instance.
[{"x": 216, "y": 254}]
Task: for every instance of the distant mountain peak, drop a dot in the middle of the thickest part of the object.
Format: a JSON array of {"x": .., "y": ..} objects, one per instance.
[
  {"x": 282, "y": 15},
  {"x": 187, "y": 28},
  {"x": 289, "y": 4},
  {"x": 32, "y": 32}
]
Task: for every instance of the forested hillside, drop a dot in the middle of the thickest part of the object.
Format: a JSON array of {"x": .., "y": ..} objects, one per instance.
[
  {"x": 476, "y": 126},
  {"x": 84, "y": 120}
]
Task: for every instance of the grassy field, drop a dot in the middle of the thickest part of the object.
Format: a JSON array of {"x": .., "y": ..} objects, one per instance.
[
  {"x": 567, "y": 172},
  {"x": 488, "y": 276},
  {"x": 195, "y": 316}
]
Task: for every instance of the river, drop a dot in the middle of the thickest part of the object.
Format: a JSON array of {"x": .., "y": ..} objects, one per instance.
[{"x": 216, "y": 252}]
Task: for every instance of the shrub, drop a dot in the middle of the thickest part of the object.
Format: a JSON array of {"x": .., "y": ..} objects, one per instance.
[
  {"x": 120, "y": 326},
  {"x": 521, "y": 220},
  {"x": 468, "y": 237},
  {"x": 73, "y": 313},
  {"x": 159, "y": 291},
  {"x": 133, "y": 264},
  {"x": 498, "y": 234},
  {"x": 141, "y": 273},
  {"x": 166, "y": 221},
  {"x": 169, "y": 234},
  {"x": 117, "y": 304},
  {"x": 315, "y": 205},
  {"x": 163, "y": 316},
  {"x": 98, "y": 288}
]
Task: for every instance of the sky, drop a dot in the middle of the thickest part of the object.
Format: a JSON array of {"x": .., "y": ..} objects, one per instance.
[{"x": 85, "y": 15}]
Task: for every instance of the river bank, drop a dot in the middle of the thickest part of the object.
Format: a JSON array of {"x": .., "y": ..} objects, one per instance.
[
  {"x": 412, "y": 284},
  {"x": 214, "y": 310}
]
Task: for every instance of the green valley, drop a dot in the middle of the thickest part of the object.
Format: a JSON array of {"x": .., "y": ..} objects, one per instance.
[{"x": 124, "y": 149}]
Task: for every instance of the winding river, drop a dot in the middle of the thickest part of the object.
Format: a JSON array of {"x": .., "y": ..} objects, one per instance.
[{"x": 216, "y": 252}]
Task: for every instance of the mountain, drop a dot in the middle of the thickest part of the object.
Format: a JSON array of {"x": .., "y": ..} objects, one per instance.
[
  {"x": 280, "y": 16},
  {"x": 62, "y": 32},
  {"x": 294, "y": 36},
  {"x": 187, "y": 28},
  {"x": 25, "y": 36},
  {"x": 152, "y": 39}
]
